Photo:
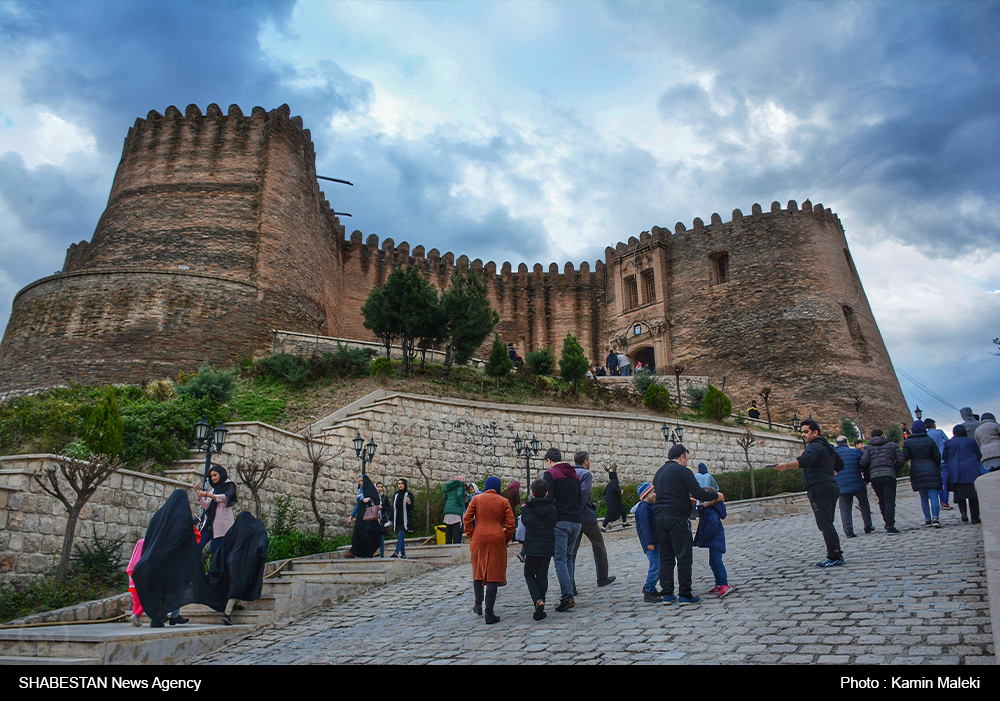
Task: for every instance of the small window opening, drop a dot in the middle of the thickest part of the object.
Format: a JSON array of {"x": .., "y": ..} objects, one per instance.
[
  {"x": 631, "y": 293},
  {"x": 852, "y": 323},
  {"x": 720, "y": 268},
  {"x": 648, "y": 287}
]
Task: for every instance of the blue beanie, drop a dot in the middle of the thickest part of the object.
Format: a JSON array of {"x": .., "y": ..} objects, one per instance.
[
  {"x": 918, "y": 427},
  {"x": 494, "y": 484}
]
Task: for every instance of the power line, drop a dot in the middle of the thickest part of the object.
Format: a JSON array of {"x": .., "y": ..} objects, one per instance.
[{"x": 928, "y": 391}]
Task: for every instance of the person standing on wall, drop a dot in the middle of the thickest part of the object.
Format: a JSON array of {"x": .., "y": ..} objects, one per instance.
[
  {"x": 564, "y": 487},
  {"x": 588, "y": 522},
  {"x": 675, "y": 486},
  {"x": 612, "y": 362},
  {"x": 820, "y": 464},
  {"x": 454, "y": 510}
]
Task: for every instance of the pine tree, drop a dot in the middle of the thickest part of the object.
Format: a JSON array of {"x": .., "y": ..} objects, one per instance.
[
  {"x": 467, "y": 316},
  {"x": 573, "y": 364},
  {"x": 499, "y": 363},
  {"x": 104, "y": 433},
  {"x": 716, "y": 405}
]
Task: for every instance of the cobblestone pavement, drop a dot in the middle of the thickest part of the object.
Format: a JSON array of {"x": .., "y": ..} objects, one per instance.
[{"x": 915, "y": 598}]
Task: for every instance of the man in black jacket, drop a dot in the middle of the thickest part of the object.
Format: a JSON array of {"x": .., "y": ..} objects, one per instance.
[
  {"x": 820, "y": 463},
  {"x": 674, "y": 485}
]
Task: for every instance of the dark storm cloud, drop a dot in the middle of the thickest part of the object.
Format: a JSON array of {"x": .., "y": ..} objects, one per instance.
[
  {"x": 911, "y": 97},
  {"x": 47, "y": 199},
  {"x": 112, "y": 62}
]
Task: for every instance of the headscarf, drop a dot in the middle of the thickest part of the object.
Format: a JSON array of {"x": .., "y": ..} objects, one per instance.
[
  {"x": 492, "y": 483},
  {"x": 702, "y": 468},
  {"x": 406, "y": 485},
  {"x": 918, "y": 427},
  {"x": 170, "y": 573}
]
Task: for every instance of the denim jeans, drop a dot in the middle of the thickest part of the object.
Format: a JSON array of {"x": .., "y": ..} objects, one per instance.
[
  {"x": 933, "y": 508},
  {"x": 401, "y": 542},
  {"x": 653, "y": 575},
  {"x": 718, "y": 569},
  {"x": 944, "y": 484},
  {"x": 566, "y": 535}
]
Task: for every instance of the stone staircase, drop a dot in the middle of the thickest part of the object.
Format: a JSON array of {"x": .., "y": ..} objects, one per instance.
[{"x": 291, "y": 588}]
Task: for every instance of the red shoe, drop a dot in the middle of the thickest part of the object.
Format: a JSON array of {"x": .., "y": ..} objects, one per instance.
[
  {"x": 714, "y": 590},
  {"x": 724, "y": 589}
]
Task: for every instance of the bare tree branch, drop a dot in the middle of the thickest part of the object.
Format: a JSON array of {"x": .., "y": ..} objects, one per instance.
[
  {"x": 253, "y": 474},
  {"x": 746, "y": 441},
  {"x": 320, "y": 454}
]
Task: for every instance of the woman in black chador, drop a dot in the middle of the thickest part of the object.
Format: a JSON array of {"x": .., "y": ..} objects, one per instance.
[
  {"x": 367, "y": 534},
  {"x": 613, "y": 499},
  {"x": 237, "y": 570},
  {"x": 170, "y": 574}
]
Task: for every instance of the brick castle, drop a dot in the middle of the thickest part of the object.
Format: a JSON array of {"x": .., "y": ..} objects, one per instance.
[{"x": 216, "y": 233}]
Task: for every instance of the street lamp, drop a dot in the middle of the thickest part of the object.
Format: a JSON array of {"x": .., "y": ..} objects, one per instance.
[
  {"x": 796, "y": 422},
  {"x": 674, "y": 435},
  {"x": 527, "y": 449},
  {"x": 918, "y": 412},
  {"x": 210, "y": 441},
  {"x": 365, "y": 453}
]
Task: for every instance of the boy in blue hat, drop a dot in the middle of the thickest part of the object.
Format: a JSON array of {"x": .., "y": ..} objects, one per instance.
[{"x": 645, "y": 526}]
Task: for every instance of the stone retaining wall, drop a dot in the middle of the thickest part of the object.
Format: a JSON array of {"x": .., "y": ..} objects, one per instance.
[
  {"x": 449, "y": 436},
  {"x": 32, "y": 523}
]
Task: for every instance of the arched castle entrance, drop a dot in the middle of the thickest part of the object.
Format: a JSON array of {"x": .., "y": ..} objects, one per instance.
[{"x": 645, "y": 355}]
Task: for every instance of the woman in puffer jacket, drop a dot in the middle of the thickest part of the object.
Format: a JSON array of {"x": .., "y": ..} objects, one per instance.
[
  {"x": 988, "y": 439},
  {"x": 961, "y": 457},
  {"x": 925, "y": 471}
]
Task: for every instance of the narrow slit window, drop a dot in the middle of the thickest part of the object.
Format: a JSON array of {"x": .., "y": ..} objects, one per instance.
[
  {"x": 852, "y": 323},
  {"x": 631, "y": 293},
  {"x": 648, "y": 287},
  {"x": 720, "y": 268}
]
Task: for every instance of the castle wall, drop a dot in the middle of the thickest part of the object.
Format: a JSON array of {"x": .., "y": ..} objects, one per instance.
[{"x": 536, "y": 309}]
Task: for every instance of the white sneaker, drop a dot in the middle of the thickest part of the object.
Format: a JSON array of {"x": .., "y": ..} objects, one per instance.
[{"x": 134, "y": 620}]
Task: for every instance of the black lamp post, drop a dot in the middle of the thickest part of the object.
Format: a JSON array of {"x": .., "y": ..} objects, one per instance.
[
  {"x": 365, "y": 452},
  {"x": 796, "y": 422},
  {"x": 918, "y": 413},
  {"x": 209, "y": 441},
  {"x": 527, "y": 449},
  {"x": 675, "y": 435}
]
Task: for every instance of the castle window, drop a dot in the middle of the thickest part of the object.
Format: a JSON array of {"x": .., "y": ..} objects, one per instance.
[
  {"x": 720, "y": 268},
  {"x": 852, "y": 323},
  {"x": 648, "y": 287},
  {"x": 631, "y": 293}
]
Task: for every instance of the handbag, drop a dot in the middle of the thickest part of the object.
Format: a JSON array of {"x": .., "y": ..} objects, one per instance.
[{"x": 372, "y": 513}]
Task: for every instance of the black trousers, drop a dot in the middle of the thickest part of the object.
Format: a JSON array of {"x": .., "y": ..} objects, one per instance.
[
  {"x": 453, "y": 533},
  {"x": 491, "y": 593},
  {"x": 593, "y": 533},
  {"x": 823, "y": 498},
  {"x": 674, "y": 534},
  {"x": 536, "y": 576},
  {"x": 885, "y": 490}
]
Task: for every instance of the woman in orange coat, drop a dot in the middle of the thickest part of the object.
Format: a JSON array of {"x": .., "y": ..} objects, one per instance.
[{"x": 489, "y": 525}]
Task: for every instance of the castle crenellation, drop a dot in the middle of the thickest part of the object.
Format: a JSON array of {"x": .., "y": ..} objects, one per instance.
[{"x": 220, "y": 216}]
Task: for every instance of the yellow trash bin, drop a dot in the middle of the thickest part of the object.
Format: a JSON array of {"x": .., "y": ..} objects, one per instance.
[{"x": 440, "y": 534}]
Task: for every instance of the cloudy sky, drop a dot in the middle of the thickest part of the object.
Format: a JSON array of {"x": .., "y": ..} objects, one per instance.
[{"x": 526, "y": 131}]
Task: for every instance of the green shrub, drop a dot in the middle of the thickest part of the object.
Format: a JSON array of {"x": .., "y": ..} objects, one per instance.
[
  {"x": 160, "y": 390},
  {"x": 695, "y": 396},
  {"x": 541, "y": 361},
  {"x": 848, "y": 429},
  {"x": 162, "y": 431},
  {"x": 768, "y": 481},
  {"x": 716, "y": 405},
  {"x": 99, "y": 557},
  {"x": 499, "y": 363},
  {"x": 657, "y": 398},
  {"x": 348, "y": 362},
  {"x": 643, "y": 380},
  {"x": 285, "y": 366},
  {"x": 894, "y": 433},
  {"x": 298, "y": 544},
  {"x": 104, "y": 430},
  {"x": 262, "y": 402},
  {"x": 218, "y": 385},
  {"x": 381, "y": 367}
]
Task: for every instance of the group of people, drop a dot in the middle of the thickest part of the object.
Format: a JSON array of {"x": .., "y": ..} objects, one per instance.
[
  {"x": 615, "y": 365},
  {"x": 166, "y": 571},
  {"x": 939, "y": 466},
  {"x": 375, "y": 515}
]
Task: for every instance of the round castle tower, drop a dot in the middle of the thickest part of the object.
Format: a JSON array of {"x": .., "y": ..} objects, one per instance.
[
  {"x": 213, "y": 236},
  {"x": 772, "y": 299}
]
